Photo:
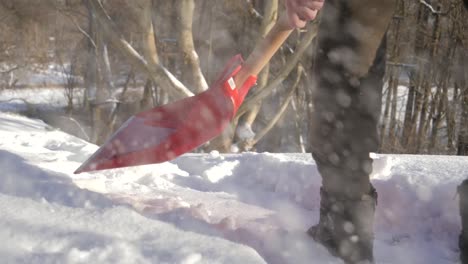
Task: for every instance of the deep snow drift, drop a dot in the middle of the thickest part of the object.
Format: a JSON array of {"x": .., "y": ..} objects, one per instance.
[{"x": 237, "y": 208}]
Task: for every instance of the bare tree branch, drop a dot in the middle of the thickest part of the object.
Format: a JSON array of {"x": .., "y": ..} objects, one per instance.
[
  {"x": 252, "y": 10},
  {"x": 251, "y": 101},
  {"x": 78, "y": 125},
  {"x": 268, "y": 21},
  {"x": 81, "y": 30},
  {"x": 282, "y": 109},
  {"x": 9, "y": 70},
  {"x": 158, "y": 74},
  {"x": 401, "y": 64},
  {"x": 433, "y": 10}
]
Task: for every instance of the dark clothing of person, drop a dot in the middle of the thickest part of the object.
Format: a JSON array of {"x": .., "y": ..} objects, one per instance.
[{"x": 349, "y": 67}]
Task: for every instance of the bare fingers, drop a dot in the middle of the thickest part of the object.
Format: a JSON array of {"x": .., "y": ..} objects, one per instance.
[{"x": 302, "y": 11}]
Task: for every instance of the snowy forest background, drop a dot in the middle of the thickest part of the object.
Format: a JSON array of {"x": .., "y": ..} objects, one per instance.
[{"x": 115, "y": 58}]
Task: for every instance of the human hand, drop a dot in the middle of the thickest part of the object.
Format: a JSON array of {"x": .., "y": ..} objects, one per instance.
[{"x": 302, "y": 11}]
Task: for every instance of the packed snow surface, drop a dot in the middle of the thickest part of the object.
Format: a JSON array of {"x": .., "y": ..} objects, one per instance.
[{"x": 205, "y": 208}]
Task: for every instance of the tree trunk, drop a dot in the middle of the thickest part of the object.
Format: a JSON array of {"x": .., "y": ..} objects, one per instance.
[
  {"x": 436, "y": 113},
  {"x": 427, "y": 84},
  {"x": 90, "y": 81},
  {"x": 409, "y": 112},
  {"x": 384, "y": 120},
  {"x": 147, "y": 101},
  {"x": 392, "y": 129},
  {"x": 392, "y": 89},
  {"x": 191, "y": 71},
  {"x": 451, "y": 108},
  {"x": 461, "y": 80},
  {"x": 94, "y": 96},
  {"x": 462, "y": 146},
  {"x": 440, "y": 104},
  {"x": 247, "y": 120},
  {"x": 113, "y": 117},
  {"x": 411, "y": 123},
  {"x": 150, "y": 51},
  {"x": 451, "y": 118},
  {"x": 393, "y": 132},
  {"x": 100, "y": 97},
  {"x": 107, "y": 70},
  {"x": 423, "y": 109},
  {"x": 298, "y": 125}
]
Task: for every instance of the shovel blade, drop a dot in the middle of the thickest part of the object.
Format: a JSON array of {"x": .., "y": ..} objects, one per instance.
[
  {"x": 132, "y": 138},
  {"x": 160, "y": 135},
  {"x": 166, "y": 132}
]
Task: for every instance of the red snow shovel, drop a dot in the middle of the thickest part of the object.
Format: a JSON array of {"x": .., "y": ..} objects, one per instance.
[{"x": 166, "y": 132}]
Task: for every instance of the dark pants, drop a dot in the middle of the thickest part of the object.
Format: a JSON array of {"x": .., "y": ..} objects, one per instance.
[{"x": 348, "y": 69}]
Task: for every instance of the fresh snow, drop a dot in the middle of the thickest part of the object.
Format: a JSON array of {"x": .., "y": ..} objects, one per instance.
[
  {"x": 201, "y": 208},
  {"x": 205, "y": 208},
  {"x": 18, "y": 99},
  {"x": 47, "y": 218}
]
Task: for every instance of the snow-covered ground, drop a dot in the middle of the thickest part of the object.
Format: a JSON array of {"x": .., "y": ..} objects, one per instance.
[
  {"x": 238, "y": 208},
  {"x": 211, "y": 208},
  {"x": 17, "y": 99}
]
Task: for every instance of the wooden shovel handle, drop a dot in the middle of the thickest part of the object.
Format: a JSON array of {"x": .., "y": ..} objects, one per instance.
[{"x": 264, "y": 50}]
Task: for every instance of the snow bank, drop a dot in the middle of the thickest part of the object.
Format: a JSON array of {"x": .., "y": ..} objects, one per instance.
[
  {"x": 212, "y": 208},
  {"x": 46, "y": 218}
]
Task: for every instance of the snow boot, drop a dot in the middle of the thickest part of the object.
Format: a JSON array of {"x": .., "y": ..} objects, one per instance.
[
  {"x": 346, "y": 227},
  {"x": 463, "y": 207}
]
